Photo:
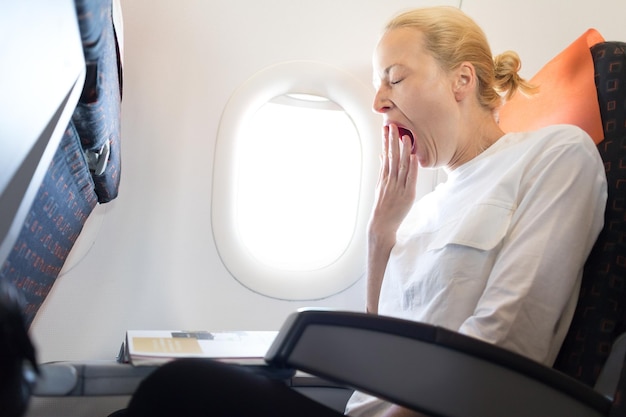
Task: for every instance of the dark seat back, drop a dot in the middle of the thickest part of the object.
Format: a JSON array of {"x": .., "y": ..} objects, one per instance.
[{"x": 601, "y": 312}]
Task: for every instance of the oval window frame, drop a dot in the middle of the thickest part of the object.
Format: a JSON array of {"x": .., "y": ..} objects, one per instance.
[{"x": 293, "y": 77}]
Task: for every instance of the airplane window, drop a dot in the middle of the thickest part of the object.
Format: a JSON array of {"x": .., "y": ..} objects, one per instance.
[
  {"x": 295, "y": 168},
  {"x": 299, "y": 170}
]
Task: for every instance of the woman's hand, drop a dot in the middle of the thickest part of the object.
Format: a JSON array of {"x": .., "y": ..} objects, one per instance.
[
  {"x": 396, "y": 183},
  {"x": 395, "y": 194}
]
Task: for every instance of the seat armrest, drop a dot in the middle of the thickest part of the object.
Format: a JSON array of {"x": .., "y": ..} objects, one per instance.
[
  {"x": 423, "y": 367},
  {"x": 110, "y": 378},
  {"x": 90, "y": 378},
  {"x": 55, "y": 379}
]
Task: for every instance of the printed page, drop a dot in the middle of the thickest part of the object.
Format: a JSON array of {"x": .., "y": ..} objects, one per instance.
[{"x": 156, "y": 346}]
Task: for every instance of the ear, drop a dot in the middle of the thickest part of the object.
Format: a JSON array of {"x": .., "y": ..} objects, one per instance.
[{"x": 464, "y": 80}]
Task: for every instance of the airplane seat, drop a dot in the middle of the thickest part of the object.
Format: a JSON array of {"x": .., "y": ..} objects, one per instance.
[
  {"x": 589, "y": 89},
  {"x": 48, "y": 199},
  {"x": 85, "y": 169}
]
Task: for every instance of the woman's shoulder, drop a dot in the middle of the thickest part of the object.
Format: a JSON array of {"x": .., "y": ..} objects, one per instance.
[
  {"x": 565, "y": 131},
  {"x": 552, "y": 137},
  {"x": 562, "y": 134},
  {"x": 542, "y": 146}
]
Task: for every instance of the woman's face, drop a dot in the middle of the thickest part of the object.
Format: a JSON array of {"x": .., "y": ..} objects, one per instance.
[{"x": 416, "y": 94}]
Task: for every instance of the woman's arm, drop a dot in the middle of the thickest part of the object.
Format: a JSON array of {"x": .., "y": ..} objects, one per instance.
[{"x": 394, "y": 197}]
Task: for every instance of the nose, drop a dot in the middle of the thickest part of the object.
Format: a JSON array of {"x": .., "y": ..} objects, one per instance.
[{"x": 381, "y": 102}]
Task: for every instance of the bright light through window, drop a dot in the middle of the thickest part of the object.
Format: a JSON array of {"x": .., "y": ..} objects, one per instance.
[{"x": 299, "y": 173}]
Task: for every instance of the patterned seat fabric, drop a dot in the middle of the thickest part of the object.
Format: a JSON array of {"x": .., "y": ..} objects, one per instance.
[
  {"x": 56, "y": 218},
  {"x": 601, "y": 313}
]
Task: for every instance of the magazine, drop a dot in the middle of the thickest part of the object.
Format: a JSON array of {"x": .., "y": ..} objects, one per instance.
[{"x": 154, "y": 347}]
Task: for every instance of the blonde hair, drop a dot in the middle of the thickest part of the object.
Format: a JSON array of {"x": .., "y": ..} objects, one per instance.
[{"x": 452, "y": 38}]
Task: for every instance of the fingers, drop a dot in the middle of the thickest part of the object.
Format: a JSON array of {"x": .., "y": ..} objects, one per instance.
[
  {"x": 396, "y": 158},
  {"x": 397, "y": 182},
  {"x": 384, "y": 166}
]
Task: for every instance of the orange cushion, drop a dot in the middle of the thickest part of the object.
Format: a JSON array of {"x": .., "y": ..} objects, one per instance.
[{"x": 567, "y": 93}]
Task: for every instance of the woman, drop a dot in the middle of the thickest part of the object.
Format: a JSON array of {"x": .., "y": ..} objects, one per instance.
[{"x": 496, "y": 252}]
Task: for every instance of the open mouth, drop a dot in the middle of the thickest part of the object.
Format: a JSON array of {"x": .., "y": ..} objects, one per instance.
[{"x": 402, "y": 131}]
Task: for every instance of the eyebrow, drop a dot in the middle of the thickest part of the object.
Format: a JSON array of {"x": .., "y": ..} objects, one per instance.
[{"x": 390, "y": 67}]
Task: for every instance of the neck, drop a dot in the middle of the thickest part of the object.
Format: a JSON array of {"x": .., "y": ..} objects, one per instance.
[{"x": 477, "y": 138}]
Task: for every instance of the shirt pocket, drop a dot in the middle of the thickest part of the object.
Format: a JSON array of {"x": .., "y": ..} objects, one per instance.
[{"x": 483, "y": 227}]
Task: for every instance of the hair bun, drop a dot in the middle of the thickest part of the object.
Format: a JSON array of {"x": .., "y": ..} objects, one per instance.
[{"x": 507, "y": 66}]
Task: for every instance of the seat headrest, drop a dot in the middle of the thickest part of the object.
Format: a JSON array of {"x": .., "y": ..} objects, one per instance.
[{"x": 567, "y": 93}]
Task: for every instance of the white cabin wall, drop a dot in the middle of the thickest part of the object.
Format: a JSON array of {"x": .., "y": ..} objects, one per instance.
[
  {"x": 147, "y": 260},
  {"x": 539, "y": 29}
]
